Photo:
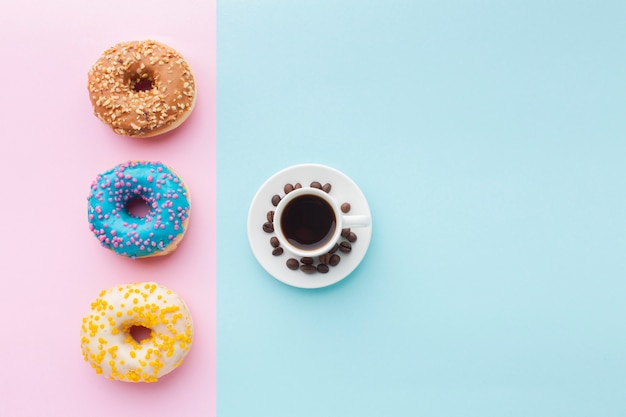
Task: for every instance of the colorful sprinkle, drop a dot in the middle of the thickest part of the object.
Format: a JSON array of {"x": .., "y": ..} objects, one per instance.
[
  {"x": 112, "y": 350},
  {"x": 163, "y": 227}
]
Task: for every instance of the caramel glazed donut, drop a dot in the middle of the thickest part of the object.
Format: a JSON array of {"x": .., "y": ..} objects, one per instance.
[
  {"x": 107, "y": 341},
  {"x": 141, "y": 88}
]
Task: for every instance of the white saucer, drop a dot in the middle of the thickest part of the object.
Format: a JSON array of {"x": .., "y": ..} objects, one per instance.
[{"x": 343, "y": 189}]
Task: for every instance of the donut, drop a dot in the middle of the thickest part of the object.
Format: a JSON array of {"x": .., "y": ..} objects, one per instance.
[
  {"x": 164, "y": 196},
  {"x": 107, "y": 333},
  {"x": 141, "y": 88}
]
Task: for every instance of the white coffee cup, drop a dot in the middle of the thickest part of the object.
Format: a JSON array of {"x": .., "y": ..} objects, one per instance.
[{"x": 308, "y": 222}]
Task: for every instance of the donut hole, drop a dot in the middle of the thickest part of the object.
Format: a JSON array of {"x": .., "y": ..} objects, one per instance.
[
  {"x": 142, "y": 84},
  {"x": 140, "y": 333},
  {"x": 137, "y": 207}
]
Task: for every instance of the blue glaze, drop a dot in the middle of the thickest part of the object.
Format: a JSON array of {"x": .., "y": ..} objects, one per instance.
[{"x": 135, "y": 237}]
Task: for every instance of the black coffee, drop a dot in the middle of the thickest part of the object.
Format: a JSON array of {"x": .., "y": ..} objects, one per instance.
[{"x": 308, "y": 222}]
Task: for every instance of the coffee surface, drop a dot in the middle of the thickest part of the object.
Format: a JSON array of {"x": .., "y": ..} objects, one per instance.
[{"x": 308, "y": 222}]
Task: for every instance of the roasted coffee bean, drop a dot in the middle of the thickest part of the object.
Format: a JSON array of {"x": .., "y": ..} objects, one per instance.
[
  {"x": 297, "y": 185},
  {"x": 334, "y": 249},
  {"x": 293, "y": 264},
  {"x": 345, "y": 232},
  {"x": 274, "y": 242},
  {"x": 308, "y": 269},
  {"x": 316, "y": 184},
  {"x": 345, "y": 247},
  {"x": 288, "y": 188},
  {"x": 345, "y": 207},
  {"x": 326, "y": 187},
  {"x": 275, "y": 200},
  {"x": 268, "y": 227},
  {"x": 277, "y": 251},
  {"x": 325, "y": 258},
  {"x": 322, "y": 268},
  {"x": 351, "y": 237},
  {"x": 270, "y": 216},
  {"x": 334, "y": 260},
  {"x": 307, "y": 260}
]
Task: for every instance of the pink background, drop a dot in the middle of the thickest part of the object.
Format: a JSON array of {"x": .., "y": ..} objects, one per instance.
[{"x": 53, "y": 147}]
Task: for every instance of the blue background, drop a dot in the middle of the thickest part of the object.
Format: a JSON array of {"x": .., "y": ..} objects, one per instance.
[{"x": 489, "y": 139}]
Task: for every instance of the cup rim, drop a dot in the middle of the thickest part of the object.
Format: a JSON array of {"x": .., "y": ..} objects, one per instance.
[{"x": 278, "y": 228}]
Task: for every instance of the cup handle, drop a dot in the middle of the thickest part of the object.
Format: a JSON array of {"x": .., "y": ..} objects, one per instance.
[{"x": 356, "y": 221}]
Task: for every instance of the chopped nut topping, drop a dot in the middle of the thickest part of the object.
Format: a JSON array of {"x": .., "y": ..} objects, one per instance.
[{"x": 145, "y": 112}]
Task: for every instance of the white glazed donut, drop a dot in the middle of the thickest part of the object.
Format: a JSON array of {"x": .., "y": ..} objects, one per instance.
[{"x": 111, "y": 349}]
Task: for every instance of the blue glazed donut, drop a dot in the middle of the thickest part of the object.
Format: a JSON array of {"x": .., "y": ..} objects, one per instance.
[{"x": 158, "y": 232}]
